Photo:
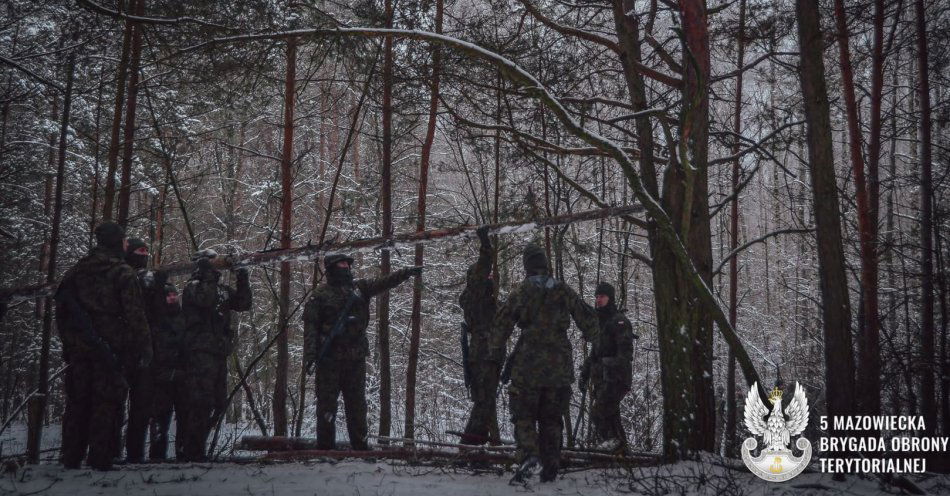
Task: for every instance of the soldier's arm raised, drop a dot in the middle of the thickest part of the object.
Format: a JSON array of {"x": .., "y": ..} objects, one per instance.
[
  {"x": 372, "y": 287},
  {"x": 202, "y": 292},
  {"x": 583, "y": 314}
]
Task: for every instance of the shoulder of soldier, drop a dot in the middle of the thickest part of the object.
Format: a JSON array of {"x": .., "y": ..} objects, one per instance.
[{"x": 121, "y": 271}]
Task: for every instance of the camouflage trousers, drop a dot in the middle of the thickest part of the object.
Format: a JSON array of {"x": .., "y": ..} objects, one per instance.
[
  {"x": 94, "y": 397},
  {"x": 205, "y": 385},
  {"x": 167, "y": 396},
  {"x": 537, "y": 416},
  {"x": 482, "y": 423},
  {"x": 605, "y": 411},
  {"x": 349, "y": 378},
  {"x": 140, "y": 407}
]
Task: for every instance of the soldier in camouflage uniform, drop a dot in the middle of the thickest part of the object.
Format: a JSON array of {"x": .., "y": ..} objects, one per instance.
[
  {"x": 608, "y": 369},
  {"x": 343, "y": 368},
  {"x": 542, "y": 368},
  {"x": 139, "y": 379},
  {"x": 208, "y": 340},
  {"x": 479, "y": 304},
  {"x": 105, "y": 290},
  {"x": 167, "y": 367}
]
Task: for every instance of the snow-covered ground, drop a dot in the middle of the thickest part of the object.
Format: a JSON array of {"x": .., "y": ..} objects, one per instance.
[
  {"x": 358, "y": 477},
  {"x": 375, "y": 478}
]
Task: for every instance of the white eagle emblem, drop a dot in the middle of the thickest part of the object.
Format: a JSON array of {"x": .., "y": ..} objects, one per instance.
[{"x": 776, "y": 462}]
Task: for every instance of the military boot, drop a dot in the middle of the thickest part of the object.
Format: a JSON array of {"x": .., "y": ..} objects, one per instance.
[{"x": 528, "y": 468}]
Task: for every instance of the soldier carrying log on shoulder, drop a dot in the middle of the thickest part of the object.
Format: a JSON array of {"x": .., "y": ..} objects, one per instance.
[
  {"x": 335, "y": 345},
  {"x": 208, "y": 340}
]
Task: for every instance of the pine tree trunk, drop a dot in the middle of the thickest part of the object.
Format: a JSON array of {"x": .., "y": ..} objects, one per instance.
[
  {"x": 927, "y": 366},
  {"x": 382, "y": 305},
  {"x": 836, "y": 311},
  {"x": 286, "y": 178},
  {"x": 37, "y": 408},
  {"x": 731, "y": 403},
  {"x": 868, "y": 384},
  {"x": 128, "y": 142},
  {"x": 416, "y": 319},
  {"x": 114, "y": 144}
]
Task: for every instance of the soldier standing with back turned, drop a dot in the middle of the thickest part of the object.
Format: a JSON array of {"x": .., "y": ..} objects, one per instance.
[
  {"x": 209, "y": 339},
  {"x": 542, "y": 369},
  {"x": 481, "y": 372},
  {"x": 340, "y": 360},
  {"x": 102, "y": 324},
  {"x": 608, "y": 369}
]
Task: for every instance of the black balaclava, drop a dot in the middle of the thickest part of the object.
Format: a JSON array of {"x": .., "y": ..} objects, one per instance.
[
  {"x": 134, "y": 259},
  {"x": 535, "y": 261},
  {"x": 109, "y": 236},
  {"x": 175, "y": 308},
  {"x": 607, "y": 290},
  {"x": 338, "y": 276}
]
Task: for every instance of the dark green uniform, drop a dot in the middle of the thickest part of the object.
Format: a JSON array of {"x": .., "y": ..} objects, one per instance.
[
  {"x": 609, "y": 369},
  {"x": 343, "y": 368},
  {"x": 542, "y": 369},
  {"x": 107, "y": 291},
  {"x": 208, "y": 340},
  {"x": 478, "y": 309},
  {"x": 138, "y": 378},
  {"x": 167, "y": 371}
]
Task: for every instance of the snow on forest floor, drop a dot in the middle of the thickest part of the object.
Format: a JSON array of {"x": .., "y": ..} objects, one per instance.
[
  {"x": 367, "y": 478},
  {"x": 377, "y": 478}
]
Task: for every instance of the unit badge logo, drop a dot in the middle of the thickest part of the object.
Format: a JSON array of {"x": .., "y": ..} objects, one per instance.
[{"x": 775, "y": 462}]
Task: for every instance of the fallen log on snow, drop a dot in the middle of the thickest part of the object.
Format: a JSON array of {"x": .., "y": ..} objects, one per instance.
[
  {"x": 298, "y": 448},
  {"x": 393, "y": 454}
]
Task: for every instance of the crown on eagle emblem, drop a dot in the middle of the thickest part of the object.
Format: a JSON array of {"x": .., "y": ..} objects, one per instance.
[{"x": 775, "y": 395}]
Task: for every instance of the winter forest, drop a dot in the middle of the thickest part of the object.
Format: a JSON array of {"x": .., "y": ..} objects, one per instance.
[{"x": 763, "y": 182}]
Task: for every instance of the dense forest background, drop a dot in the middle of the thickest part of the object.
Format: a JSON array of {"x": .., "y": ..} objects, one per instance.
[{"x": 819, "y": 222}]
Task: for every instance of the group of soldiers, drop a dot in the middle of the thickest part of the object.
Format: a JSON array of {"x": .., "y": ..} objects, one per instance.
[
  {"x": 129, "y": 339},
  {"x": 539, "y": 368},
  {"x": 132, "y": 345}
]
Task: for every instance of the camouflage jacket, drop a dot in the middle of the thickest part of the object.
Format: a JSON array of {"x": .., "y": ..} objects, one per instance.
[
  {"x": 479, "y": 305},
  {"x": 108, "y": 290},
  {"x": 167, "y": 329},
  {"x": 206, "y": 307},
  {"x": 543, "y": 308},
  {"x": 611, "y": 352},
  {"x": 323, "y": 309}
]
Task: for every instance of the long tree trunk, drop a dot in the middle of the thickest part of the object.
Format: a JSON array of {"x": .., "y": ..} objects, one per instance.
[
  {"x": 37, "y": 408},
  {"x": 868, "y": 383},
  {"x": 684, "y": 326},
  {"x": 114, "y": 144},
  {"x": 416, "y": 322},
  {"x": 128, "y": 142},
  {"x": 927, "y": 366},
  {"x": 94, "y": 210},
  {"x": 286, "y": 211},
  {"x": 836, "y": 306},
  {"x": 385, "y": 374},
  {"x": 731, "y": 403}
]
